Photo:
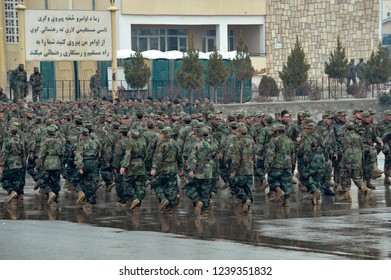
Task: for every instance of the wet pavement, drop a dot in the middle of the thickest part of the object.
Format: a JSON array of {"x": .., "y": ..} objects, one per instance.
[{"x": 330, "y": 230}]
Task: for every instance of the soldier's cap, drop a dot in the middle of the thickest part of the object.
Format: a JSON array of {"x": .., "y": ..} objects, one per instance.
[
  {"x": 164, "y": 116},
  {"x": 231, "y": 118},
  {"x": 341, "y": 113},
  {"x": 167, "y": 131},
  {"x": 85, "y": 131},
  {"x": 357, "y": 111},
  {"x": 35, "y": 68},
  {"x": 280, "y": 127},
  {"x": 135, "y": 133},
  {"x": 116, "y": 125},
  {"x": 310, "y": 125},
  {"x": 211, "y": 117},
  {"x": 200, "y": 115},
  {"x": 194, "y": 122},
  {"x": 243, "y": 129},
  {"x": 219, "y": 112},
  {"x": 199, "y": 131},
  {"x": 205, "y": 131},
  {"x": 306, "y": 114},
  {"x": 240, "y": 116},
  {"x": 78, "y": 119},
  {"x": 38, "y": 119},
  {"x": 349, "y": 125},
  {"x": 123, "y": 129},
  {"x": 387, "y": 112},
  {"x": 21, "y": 65},
  {"x": 248, "y": 116},
  {"x": 273, "y": 127},
  {"x": 268, "y": 119},
  {"x": 327, "y": 116},
  {"x": 371, "y": 112},
  {"x": 186, "y": 118},
  {"x": 365, "y": 114},
  {"x": 13, "y": 129},
  {"x": 29, "y": 110},
  {"x": 88, "y": 125},
  {"x": 258, "y": 115},
  {"x": 234, "y": 125},
  {"x": 159, "y": 124},
  {"x": 51, "y": 129}
]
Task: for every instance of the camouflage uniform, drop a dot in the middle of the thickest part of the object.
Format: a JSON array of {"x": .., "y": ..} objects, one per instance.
[
  {"x": 36, "y": 82},
  {"x": 134, "y": 169},
  {"x": 262, "y": 141},
  {"x": 120, "y": 147},
  {"x": 86, "y": 159},
  {"x": 19, "y": 83},
  {"x": 201, "y": 172},
  {"x": 242, "y": 168},
  {"x": 280, "y": 157},
  {"x": 383, "y": 130},
  {"x": 35, "y": 141},
  {"x": 49, "y": 161},
  {"x": 166, "y": 164},
  {"x": 12, "y": 163},
  {"x": 96, "y": 86}
]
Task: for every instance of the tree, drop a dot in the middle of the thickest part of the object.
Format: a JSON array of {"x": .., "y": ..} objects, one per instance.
[
  {"x": 377, "y": 70},
  {"x": 241, "y": 65},
  {"x": 190, "y": 74},
  {"x": 338, "y": 66},
  {"x": 137, "y": 73},
  {"x": 216, "y": 72},
  {"x": 294, "y": 74}
]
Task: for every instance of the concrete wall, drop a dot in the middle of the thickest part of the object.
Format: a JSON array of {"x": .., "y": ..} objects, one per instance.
[{"x": 317, "y": 108}]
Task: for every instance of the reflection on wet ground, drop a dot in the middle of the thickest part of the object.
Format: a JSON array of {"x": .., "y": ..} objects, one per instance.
[{"x": 354, "y": 230}]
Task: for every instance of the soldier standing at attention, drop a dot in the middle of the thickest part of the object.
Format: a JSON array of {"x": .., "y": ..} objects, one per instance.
[
  {"x": 12, "y": 164},
  {"x": 49, "y": 161},
  {"x": 133, "y": 169},
  {"x": 86, "y": 160},
  {"x": 96, "y": 86},
  {"x": 3, "y": 96},
  {"x": 36, "y": 82},
  {"x": 19, "y": 83},
  {"x": 166, "y": 165},
  {"x": 242, "y": 168}
]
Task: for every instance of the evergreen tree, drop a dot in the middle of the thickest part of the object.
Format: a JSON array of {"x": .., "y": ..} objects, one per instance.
[
  {"x": 216, "y": 72},
  {"x": 378, "y": 70},
  {"x": 241, "y": 65},
  {"x": 337, "y": 67},
  {"x": 137, "y": 73},
  {"x": 190, "y": 74},
  {"x": 294, "y": 74}
]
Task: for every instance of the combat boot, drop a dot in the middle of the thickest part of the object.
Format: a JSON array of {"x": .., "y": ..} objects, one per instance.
[
  {"x": 51, "y": 197},
  {"x": 370, "y": 185},
  {"x": 343, "y": 197},
  {"x": 264, "y": 185},
  {"x": 110, "y": 187},
  {"x": 68, "y": 185},
  {"x": 80, "y": 197},
  {"x": 286, "y": 202},
  {"x": 12, "y": 196},
  {"x": 246, "y": 205},
  {"x": 101, "y": 184},
  {"x": 136, "y": 202},
  {"x": 387, "y": 178},
  {"x": 315, "y": 197},
  {"x": 376, "y": 170},
  {"x": 198, "y": 207},
  {"x": 163, "y": 204},
  {"x": 279, "y": 193}
]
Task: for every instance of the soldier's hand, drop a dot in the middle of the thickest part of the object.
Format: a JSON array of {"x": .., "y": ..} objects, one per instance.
[
  {"x": 191, "y": 174},
  {"x": 232, "y": 174},
  {"x": 31, "y": 156},
  {"x": 180, "y": 172},
  {"x": 153, "y": 172},
  {"x": 122, "y": 171},
  {"x": 81, "y": 171}
]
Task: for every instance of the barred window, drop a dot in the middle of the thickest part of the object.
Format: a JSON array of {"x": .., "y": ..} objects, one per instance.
[{"x": 11, "y": 21}]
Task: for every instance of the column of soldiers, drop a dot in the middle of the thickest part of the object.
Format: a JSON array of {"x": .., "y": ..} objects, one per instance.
[{"x": 174, "y": 145}]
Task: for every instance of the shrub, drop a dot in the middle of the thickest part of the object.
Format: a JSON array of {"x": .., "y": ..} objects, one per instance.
[{"x": 268, "y": 87}]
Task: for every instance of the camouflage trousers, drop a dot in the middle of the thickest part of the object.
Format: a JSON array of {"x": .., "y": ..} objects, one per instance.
[
  {"x": 260, "y": 169},
  {"x": 313, "y": 177},
  {"x": 241, "y": 187},
  {"x": 278, "y": 177},
  {"x": 31, "y": 163},
  {"x": 224, "y": 172},
  {"x": 19, "y": 93},
  {"x": 166, "y": 186},
  {"x": 199, "y": 190},
  {"x": 96, "y": 94},
  {"x": 106, "y": 172},
  {"x": 86, "y": 182},
  {"x": 14, "y": 180},
  {"x": 133, "y": 187},
  {"x": 349, "y": 174},
  {"x": 369, "y": 158},
  {"x": 337, "y": 168},
  {"x": 51, "y": 182},
  {"x": 37, "y": 95},
  {"x": 119, "y": 188}
]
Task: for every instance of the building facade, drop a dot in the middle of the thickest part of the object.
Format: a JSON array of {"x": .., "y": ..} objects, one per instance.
[{"x": 268, "y": 27}]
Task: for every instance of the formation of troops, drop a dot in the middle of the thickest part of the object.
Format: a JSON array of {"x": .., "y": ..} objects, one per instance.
[{"x": 131, "y": 145}]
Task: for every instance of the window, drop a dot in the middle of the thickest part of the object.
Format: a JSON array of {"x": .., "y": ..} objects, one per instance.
[
  {"x": 231, "y": 40},
  {"x": 11, "y": 21},
  {"x": 159, "y": 39},
  {"x": 208, "y": 40}
]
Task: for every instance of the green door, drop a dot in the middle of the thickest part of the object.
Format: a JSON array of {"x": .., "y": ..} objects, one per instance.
[{"x": 49, "y": 80}]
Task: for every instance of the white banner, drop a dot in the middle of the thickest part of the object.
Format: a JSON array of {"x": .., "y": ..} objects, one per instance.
[{"x": 53, "y": 35}]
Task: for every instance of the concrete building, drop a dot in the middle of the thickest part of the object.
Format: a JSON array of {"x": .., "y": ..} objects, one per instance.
[{"x": 269, "y": 28}]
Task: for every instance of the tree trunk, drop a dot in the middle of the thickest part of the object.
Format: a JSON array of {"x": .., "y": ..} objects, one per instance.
[{"x": 241, "y": 91}]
